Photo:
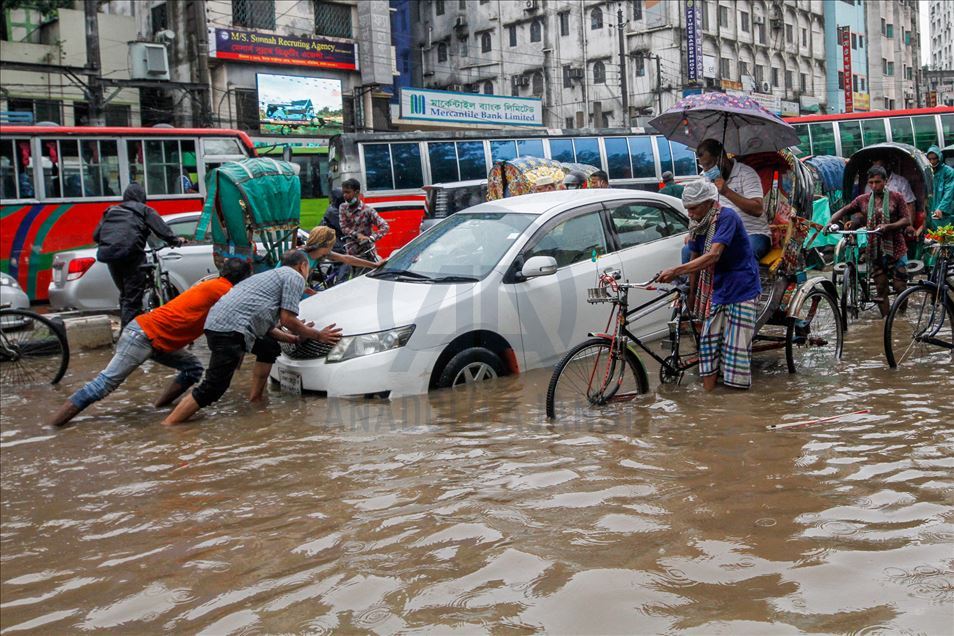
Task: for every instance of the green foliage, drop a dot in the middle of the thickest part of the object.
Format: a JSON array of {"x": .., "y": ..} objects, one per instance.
[{"x": 45, "y": 7}]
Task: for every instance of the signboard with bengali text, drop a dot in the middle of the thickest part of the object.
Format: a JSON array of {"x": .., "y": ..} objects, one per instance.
[
  {"x": 268, "y": 48},
  {"x": 846, "y": 66},
  {"x": 470, "y": 108}
]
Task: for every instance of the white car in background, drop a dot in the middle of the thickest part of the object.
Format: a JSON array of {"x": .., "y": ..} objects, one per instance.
[
  {"x": 495, "y": 289},
  {"x": 82, "y": 282}
]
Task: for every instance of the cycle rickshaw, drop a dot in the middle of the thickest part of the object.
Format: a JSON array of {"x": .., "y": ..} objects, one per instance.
[
  {"x": 514, "y": 177},
  {"x": 850, "y": 271},
  {"x": 797, "y": 312}
]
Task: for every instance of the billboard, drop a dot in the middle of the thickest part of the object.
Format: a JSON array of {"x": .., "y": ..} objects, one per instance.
[
  {"x": 292, "y": 105},
  {"x": 265, "y": 48},
  {"x": 694, "y": 41},
  {"x": 470, "y": 108}
]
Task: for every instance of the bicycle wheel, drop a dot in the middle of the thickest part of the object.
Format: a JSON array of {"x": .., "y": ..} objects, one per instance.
[
  {"x": 848, "y": 301},
  {"x": 815, "y": 335},
  {"x": 33, "y": 349},
  {"x": 913, "y": 315},
  {"x": 588, "y": 377}
]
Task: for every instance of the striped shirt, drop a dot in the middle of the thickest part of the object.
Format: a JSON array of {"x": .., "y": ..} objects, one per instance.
[{"x": 253, "y": 306}]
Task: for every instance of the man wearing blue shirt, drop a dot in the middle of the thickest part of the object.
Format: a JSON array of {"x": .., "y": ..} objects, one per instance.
[{"x": 725, "y": 276}]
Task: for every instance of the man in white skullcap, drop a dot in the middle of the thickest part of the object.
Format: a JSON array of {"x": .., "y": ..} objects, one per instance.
[
  {"x": 545, "y": 184},
  {"x": 725, "y": 277}
]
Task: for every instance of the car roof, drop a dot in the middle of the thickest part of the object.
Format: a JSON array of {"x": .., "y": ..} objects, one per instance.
[{"x": 544, "y": 202}]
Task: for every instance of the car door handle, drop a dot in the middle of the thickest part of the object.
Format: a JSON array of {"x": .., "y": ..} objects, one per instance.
[{"x": 171, "y": 257}]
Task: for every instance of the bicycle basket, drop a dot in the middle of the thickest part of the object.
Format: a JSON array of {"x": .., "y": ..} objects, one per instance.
[{"x": 599, "y": 295}]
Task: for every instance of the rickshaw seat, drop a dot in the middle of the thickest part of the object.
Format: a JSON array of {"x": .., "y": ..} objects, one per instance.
[{"x": 773, "y": 258}]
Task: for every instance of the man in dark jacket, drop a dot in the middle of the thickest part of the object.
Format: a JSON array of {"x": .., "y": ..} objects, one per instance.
[{"x": 121, "y": 236}]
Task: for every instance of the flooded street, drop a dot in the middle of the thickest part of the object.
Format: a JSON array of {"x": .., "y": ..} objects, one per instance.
[{"x": 467, "y": 511}]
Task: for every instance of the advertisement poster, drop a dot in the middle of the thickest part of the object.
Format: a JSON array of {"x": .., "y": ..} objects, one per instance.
[
  {"x": 313, "y": 51},
  {"x": 654, "y": 13},
  {"x": 289, "y": 105},
  {"x": 693, "y": 41},
  {"x": 470, "y": 108}
]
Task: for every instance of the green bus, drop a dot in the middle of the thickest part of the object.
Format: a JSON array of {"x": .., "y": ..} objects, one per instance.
[{"x": 312, "y": 157}]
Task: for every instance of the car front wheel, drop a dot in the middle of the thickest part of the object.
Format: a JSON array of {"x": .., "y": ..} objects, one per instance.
[{"x": 472, "y": 365}]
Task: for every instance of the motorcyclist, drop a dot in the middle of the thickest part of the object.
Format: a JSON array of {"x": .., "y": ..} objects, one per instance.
[{"x": 575, "y": 180}]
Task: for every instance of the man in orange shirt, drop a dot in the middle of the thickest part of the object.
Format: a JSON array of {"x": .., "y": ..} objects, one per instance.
[{"x": 160, "y": 335}]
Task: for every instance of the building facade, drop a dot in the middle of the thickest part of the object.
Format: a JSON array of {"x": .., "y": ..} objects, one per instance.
[
  {"x": 941, "y": 20},
  {"x": 854, "y": 85},
  {"x": 34, "y": 50},
  {"x": 893, "y": 53}
]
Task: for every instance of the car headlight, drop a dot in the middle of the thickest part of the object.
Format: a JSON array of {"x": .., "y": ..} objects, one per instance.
[
  {"x": 8, "y": 281},
  {"x": 364, "y": 345}
]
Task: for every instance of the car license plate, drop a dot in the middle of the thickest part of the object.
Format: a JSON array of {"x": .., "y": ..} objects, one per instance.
[{"x": 290, "y": 381}]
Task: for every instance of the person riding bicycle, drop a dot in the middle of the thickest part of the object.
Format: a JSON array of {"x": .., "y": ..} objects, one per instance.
[
  {"x": 726, "y": 283},
  {"x": 359, "y": 220},
  {"x": 161, "y": 335},
  {"x": 121, "y": 236},
  {"x": 321, "y": 244},
  {"x": 883, "y": 211}
]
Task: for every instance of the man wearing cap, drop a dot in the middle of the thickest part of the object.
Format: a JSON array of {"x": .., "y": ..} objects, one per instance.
[
  {"x": 545, "y": 184},
  {"x": 670, "y": 186},
  {"x": 725, "y": 278}
]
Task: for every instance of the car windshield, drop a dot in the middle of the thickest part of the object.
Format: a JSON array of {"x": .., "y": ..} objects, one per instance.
[{"x": 464, "y": 247}]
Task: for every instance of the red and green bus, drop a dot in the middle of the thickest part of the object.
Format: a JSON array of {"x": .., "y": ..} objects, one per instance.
[{"x": 56, "y": 182}]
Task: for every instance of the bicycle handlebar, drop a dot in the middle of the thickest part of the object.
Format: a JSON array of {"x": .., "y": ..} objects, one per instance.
[{"x": 856, "y": 232}]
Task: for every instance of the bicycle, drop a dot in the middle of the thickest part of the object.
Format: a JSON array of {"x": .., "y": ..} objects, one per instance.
[
  {"x": 159, "y": 289},
  {"x": 327, "y": 274},
  {"x": 855, "y": 294},
  {"x": 919, "y": 322},
  {"x": 33, "y": 348},
  {"x": 594, "y": 372}
]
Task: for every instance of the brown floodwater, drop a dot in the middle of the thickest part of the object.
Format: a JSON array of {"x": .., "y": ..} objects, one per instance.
[{"x": 466, "y": 511}]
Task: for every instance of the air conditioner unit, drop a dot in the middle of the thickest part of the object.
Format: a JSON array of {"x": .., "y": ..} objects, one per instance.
[
  {"x": 766, "y": 87},
  {"x": 758, "y": 19},
  {"x": 456, "y": 88},
  {"x": 576, "y": 73},
  {"x": 523, "y": 80},
  {"x": 148, "y": 61},
  {"x": 531, "y": 5}
]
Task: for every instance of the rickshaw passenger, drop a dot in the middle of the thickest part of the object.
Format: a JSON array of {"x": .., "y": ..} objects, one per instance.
[
  {"x": 728, "y": 286},
  {"x": 884, "y": 211},
  {"x": 740, "y": 188},
  {"x": 943, "y": 213}
]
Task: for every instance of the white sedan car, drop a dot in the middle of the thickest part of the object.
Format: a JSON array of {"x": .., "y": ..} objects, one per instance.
[
  {"x": 496, "y": 289},
  {"x": 82, "y": 282}
]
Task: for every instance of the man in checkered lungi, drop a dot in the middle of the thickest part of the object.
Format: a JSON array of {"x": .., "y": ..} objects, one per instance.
[{"x": 725, "y": 277}]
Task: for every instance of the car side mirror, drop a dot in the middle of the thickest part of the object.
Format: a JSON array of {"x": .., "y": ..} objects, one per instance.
[{"x": 539, "y": 266}]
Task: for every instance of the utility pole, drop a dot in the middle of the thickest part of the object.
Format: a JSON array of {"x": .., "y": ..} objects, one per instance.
[
  {"x": 658, "y": 86},
  {"x": 620, "y": 27},
  {"x": 93, "y": 64}
]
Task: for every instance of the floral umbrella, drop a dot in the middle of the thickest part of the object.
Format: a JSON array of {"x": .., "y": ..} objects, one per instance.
[{"x": 739, "y": 122}]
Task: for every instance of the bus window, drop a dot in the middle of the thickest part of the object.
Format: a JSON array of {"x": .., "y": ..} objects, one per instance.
[
  {"x": 222, "y": 147},
  {"x": 562, "y": 150},
  {"x": 850, "y": 133},
  {"x": 684, "y": 160},
  {"x": 641, "y": 151},
  {"x": 409, "y": 174},
  {"x": 925, "y": 132},
  {"x": 665, "y": 154},
  {"x": 136, "y": 165},
  {"x": 804, "y": 141},
  {"x": 947, "y": 128},
  {"x": 443, "y": 159},
  {"x": 503, "y": 150},
  {"x": 901, "y": 130},
  {"x": 16, "y": 175},
  {"x": 163, "y": 168},
  {"x": 101, "y": 168},
  {"x": 617, "y": 158},
  {"x": 531, "y": 147},
  {"x": 823, "y": 139},
  {"x": 473, "y": 163},
  {"x": 873, "y": 131},
  {"x": 588, "y": 151},
  {"x": 71, "y": 170},
  {"x": 377, "y": 167},
  {"x": 52, "y": 184}
]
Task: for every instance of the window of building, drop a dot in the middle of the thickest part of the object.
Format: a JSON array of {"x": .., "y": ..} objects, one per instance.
[
  {"x": 599, "y": 73},
  {"x": 789, "y": 34},
  {"x": 536, "y": 30},
  {"x": 640, "y": 65},
  {"x": 802, "y": 82},
  {"x": 439, "y": 7},
  {"x": 485, "y": 43},
  {"x": 159, "y": 15},
  {"x": 743, "y": 69},
  {"x": 744, "y": 21},
  {"x": 637, "y": 9},
  {"x": 788, "y": 80},
  {"x": 254, "y": 14},
  {"x": 536, "y": 85},
  {"x": 883, "y": 24},
  {"x": 568, "y": 123},
  {"x": 463, "y": 46},
  {"x": 884, "y": 66},
  {"x": 759, "y": 75},
  {"x": 596, "y": 19},
  {"x": 775, "y": 77},
  {"x": 854, "y": 83},
  {"x": 760, "y": 32},
  {"x": 442, "y": 52},
  {"x": 246, "y": 109},
  {"x": 854, "y": 40},
  {"x": 861, "y": 41},
  {"x": 42, "y": 109},
  {"x": 565, "y": 23},
  {"x": 567, "y": 81},
  {"x": 889, "y": 31},
  {"x": 890, "y": 71},
  {"x": 333, "y": 19},
  {"x": 704, "y": 10},
  {"x": 864, "y": 86},
  {"x": 488, "y": 88},
  {"x": 725, "y": 68},
  {"x": 723, "y": 17},
  {"x": 512, "y": 35},
  {"x": 805, "y": 37},
  {"x": 841, "y": 80}
]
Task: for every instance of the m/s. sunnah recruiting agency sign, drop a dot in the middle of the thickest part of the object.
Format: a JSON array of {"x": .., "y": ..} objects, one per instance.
[
  {"x": 266, "y": 48},
  {"x": 470, "y": 108}
]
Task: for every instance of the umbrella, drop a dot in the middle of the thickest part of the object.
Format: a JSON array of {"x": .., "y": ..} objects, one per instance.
[{"x": 739, "y": 122}]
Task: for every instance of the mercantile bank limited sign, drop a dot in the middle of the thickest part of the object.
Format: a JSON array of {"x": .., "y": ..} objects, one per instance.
[{"x": 470, "y": 108}]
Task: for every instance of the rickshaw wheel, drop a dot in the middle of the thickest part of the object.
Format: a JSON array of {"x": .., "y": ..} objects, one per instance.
[
  {"x": 668, "y": 373},
  {"x": 815, "y": 335}
]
